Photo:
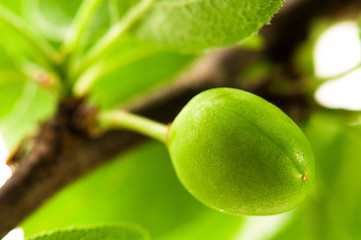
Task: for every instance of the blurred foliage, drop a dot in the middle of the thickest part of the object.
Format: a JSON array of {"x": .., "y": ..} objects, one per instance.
[
  {"x": 141, "y": 188},
  {"x": 254, "y": 71},
  {"x": 333, "y": 210},
  {"x": 137, "y": 67},
  {"x": 254, "y": 42},
  {"x": 106, "y": 232},
  {"x": 122, "y": 6},
  {"x": 28, "y": 107},
  {"x": 50, "y": 18},
  {"x": 11, "y": 86}
]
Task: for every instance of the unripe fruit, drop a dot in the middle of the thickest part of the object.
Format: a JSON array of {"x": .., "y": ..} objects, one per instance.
[{"x": 240, "y": 154}]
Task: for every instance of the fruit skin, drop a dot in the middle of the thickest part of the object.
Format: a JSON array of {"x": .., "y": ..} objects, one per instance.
[{"x": 239, "y": 154}]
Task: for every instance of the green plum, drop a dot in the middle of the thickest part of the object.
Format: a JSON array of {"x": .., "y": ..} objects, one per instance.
[{"x": 239, "y": 154}]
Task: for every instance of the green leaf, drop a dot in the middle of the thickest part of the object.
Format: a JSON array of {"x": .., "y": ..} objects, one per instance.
[
  {"x": 14, "y": 5},
  {"x": 101, "y": 232},
  {"x": 142, "y": 188},
  {"x": 121, "y": 7},
  {"x": 28, "y": 106},
  {"x": 11, "y": 86},
  {"x": 49, "y": 17},
  {"x": 134, "y": 68},
  {"x": 6, "y": 63},
  {"x": 193, "y": 25},
  {"x": 13, "y": 50},
  {"x": 137, "y": 77},
  {"x": 52, "y": 18},
  {"x": 255, "y": 42}
]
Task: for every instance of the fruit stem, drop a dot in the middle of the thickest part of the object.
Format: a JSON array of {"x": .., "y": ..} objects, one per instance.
[{"x": 136, "y": 123}]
